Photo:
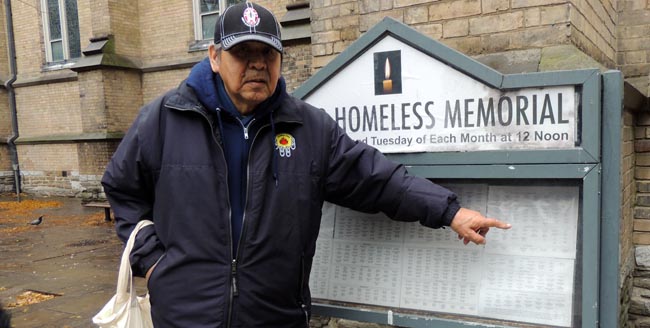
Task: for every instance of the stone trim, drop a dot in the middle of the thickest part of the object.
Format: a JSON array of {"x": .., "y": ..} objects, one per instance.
[
  {"x": 634, "y": 99},
  {"x": 72, "y": 76},
  {"x": 171, "y": 65},
  {"x": 46, "y": 79},
  {"x": 199, "y": 45},
  {"x": 296, "y": 23},
  {"x": 100, "y": 53},
  {"x": 61, "y": 65},
  {"x": 104, "y": 60},
  {"x": 70, "y": 138}
]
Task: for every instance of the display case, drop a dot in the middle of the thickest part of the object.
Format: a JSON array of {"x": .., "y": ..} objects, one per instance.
[{"x": 537, "y": 150}]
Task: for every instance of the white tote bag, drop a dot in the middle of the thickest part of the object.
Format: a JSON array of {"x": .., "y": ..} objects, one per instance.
[{"x": 126, "y": 309}]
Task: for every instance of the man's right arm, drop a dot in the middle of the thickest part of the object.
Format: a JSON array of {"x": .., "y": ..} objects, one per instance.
[{"x": 128, "y": 184}]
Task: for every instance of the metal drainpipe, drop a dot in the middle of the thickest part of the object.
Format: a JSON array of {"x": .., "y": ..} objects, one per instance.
[{"x": 12, "y": 97}]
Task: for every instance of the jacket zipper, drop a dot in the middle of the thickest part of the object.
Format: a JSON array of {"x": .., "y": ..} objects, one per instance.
[
  {"x": 233, "y": 265},
  {"x": 250, "y": 152},
  {"x": 303, "y": 306},
  {"x": 245, "y": 127},
  {"x": 233, "y": 271}
]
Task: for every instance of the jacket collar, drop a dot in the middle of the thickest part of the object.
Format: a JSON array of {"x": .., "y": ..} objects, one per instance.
[
  {"x": 184, "y": 98},
  {"x": 288, "y": 111}
]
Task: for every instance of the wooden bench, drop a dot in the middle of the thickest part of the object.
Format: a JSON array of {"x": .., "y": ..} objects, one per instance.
[{"x": 105, "y": 205}]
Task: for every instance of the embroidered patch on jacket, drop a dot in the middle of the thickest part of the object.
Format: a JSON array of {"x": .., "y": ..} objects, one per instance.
[
  {"x": 250, "y": 17},
  {"x": 285, "y": 143}
]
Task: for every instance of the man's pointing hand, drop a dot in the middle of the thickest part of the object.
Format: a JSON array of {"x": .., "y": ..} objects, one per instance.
[{"x": 473, "y": 226}]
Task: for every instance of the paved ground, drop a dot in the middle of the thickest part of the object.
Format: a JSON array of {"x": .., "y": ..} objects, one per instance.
[{"x": 73, "y": 255}]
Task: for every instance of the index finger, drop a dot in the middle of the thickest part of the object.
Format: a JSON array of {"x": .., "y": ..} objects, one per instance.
[{"x": 489, "y": 222}]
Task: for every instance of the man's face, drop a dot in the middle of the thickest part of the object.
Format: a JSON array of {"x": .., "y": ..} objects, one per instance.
[{"x": 250, "y": 72}]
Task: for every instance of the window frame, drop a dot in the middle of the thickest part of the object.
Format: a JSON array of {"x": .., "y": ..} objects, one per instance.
[
  {"x": 198, "y": 18},
  {"x": 64, "y": 33}
]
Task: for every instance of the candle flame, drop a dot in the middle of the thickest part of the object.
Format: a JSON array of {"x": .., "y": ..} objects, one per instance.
[{"x": 387, "y": 69}]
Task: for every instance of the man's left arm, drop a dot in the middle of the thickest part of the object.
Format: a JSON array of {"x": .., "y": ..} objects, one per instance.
[{"x": 362, "y": 178}]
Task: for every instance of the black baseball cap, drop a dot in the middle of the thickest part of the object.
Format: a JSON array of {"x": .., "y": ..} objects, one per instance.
[{"x": 247, "y": 22}]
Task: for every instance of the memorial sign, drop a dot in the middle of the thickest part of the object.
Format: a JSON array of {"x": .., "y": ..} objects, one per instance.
[
  {"x": 399, "y": 100},
  {"x": 522, "y": 148}
]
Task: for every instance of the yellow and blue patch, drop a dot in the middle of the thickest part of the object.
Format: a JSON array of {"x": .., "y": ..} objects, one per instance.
[{"x": 285, "y": 143}]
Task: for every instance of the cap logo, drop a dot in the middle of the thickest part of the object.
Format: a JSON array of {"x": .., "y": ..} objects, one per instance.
[
  {"x": 285, "y": 143},
  {"x": 250, "y": 17}
]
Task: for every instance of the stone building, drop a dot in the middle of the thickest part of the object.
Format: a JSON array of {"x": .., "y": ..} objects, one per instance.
[{"x": 74, "y": 73}]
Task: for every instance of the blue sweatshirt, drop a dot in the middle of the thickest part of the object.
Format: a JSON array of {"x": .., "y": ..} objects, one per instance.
[{"x": 237, "y": 134}]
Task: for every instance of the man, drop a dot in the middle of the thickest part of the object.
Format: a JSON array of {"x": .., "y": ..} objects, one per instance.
[{"x": 234, "y": 171}]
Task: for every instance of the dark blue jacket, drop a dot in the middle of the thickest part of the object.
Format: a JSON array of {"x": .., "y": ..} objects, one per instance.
[{"x": 171, "y": 168}]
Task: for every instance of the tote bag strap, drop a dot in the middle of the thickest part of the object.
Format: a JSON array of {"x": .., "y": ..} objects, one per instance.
[{"x": 125, "y": 276}]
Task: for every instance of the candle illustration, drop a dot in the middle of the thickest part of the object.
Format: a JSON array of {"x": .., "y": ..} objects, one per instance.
[{"x": 388, "y": 83}]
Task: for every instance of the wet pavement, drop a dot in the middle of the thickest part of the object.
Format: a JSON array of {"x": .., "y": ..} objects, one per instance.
[{"x": 69, "y": 261}]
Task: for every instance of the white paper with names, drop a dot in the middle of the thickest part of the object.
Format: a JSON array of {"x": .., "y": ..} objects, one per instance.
[{"x": 523, "y": 274}]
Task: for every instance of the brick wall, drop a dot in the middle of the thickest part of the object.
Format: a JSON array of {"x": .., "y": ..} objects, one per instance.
[
  {"x": 593, "y": 29},
  {"x": 92, "y": 101},
  {"x": 50, "y": 169},
  {"x": 98, "y": 17},
  {"x": 156, "y": 83},
  {"x": 125, "y": 27},
  {"x": 6, "y": 181},
  {"x": 49, "y": 109},
  {"x": 332, "y": 26},
  {"x": 46, "y": 111},
  {"x": 5, "y": 158},
  {"x": 642, "y": 174},
  {"x": 278, "y": 8},
  {"x": 85, "y": 12},
  {"x": 4, "y": 59},
  {"x": 5, "y": 116},
  {"x": 6, "y": 175},
  {"x": 166, "y": 30},
  {"x": 48, "y": 157},
  {"x": 472, "y": 26},
  {"x": 634, "y": 43},
  {"x": 296, "y": 66},
  {"x": 110, "y": 99},
  {"x": 30, "y": 55},
  {"x": 628, "y": 188},
  {"x": 639, "y": 307},
  {"x": 5, "y": 133},
  {"x": 93, "y": 157},
  {"x": 123, "y": 92}
]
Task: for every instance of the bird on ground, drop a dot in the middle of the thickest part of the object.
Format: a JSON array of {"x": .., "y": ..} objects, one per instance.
[{"x": 37, "y": 221}]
